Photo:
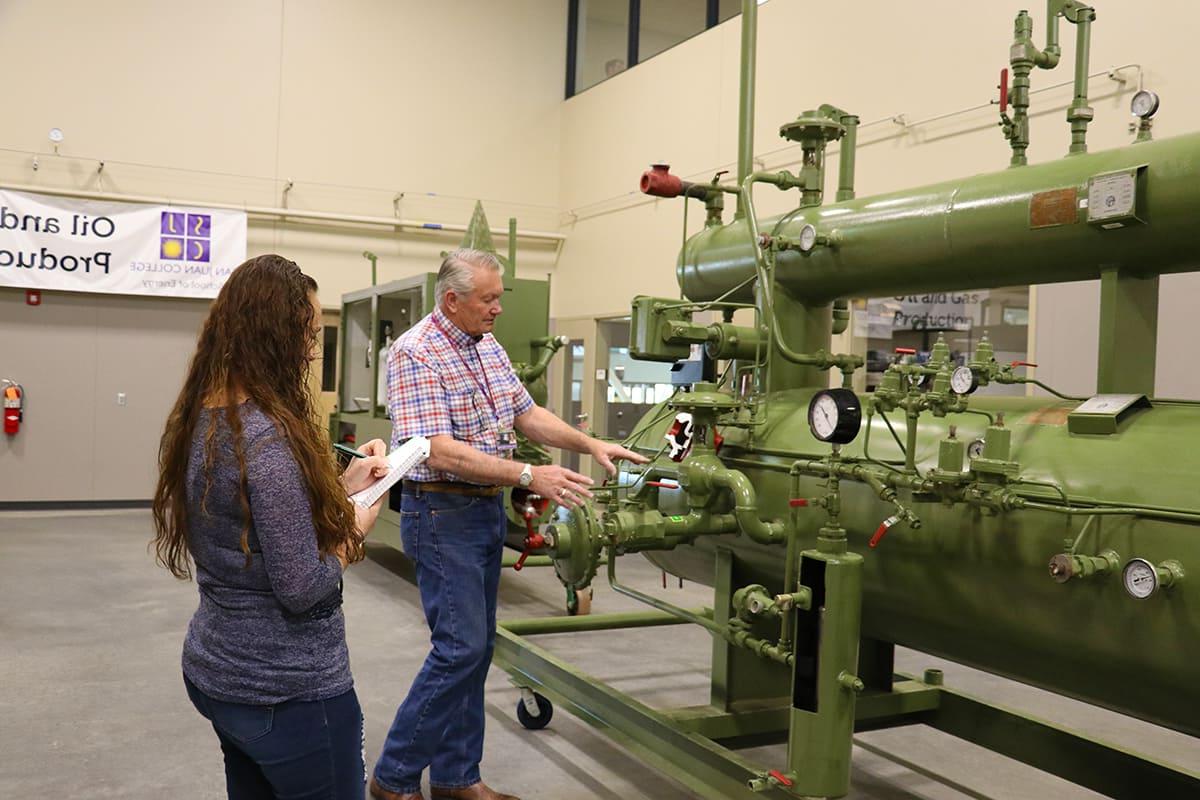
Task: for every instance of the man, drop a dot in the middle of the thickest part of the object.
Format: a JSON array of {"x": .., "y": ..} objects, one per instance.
[{"x": 450, "y": 381}]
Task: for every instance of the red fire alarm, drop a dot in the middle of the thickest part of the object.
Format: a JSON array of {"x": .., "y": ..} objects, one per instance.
[{"x": 33, "y": 297}]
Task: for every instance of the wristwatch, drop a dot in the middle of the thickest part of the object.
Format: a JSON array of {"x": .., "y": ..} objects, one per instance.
[{"x": 526, "y": 476}]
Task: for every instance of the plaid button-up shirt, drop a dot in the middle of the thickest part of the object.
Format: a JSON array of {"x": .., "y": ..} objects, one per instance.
[{"x": 442, "y": 380}]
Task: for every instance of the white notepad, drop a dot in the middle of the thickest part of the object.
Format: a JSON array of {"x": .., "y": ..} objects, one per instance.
[{"x": 400, "y": 461}]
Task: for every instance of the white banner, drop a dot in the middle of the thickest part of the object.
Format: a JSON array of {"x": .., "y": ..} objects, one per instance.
[
  {"x": 73, "y": 245},
  {"x": 945, "y": 311}
]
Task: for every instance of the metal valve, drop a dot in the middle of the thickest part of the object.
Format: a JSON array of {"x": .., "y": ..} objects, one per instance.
[{"x": 533, "y": 539}]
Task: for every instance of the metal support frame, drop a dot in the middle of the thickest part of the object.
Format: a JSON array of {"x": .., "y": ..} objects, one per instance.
[
  {"x": 1128, "y": 333},
  {"x": 694, "y": 745}
]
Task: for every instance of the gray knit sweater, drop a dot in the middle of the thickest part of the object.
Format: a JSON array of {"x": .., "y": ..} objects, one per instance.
[{"x": 273, "y": 631}]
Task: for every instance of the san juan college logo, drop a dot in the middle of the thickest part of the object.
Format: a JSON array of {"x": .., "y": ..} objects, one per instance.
[{"x": 186, "y": 237}]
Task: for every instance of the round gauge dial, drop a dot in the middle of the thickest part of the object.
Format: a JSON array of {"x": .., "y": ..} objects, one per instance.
[
  {"x": 975, "y": 449},
  {"x": 963, "y": 381},
  {"x": 56, "y": 135},
  {"x": 835, "y": 415},
  {"x": 1140, "y": 578},
  {"x": 808, "y": 238},
  {"x": 1144, "y": 104}
]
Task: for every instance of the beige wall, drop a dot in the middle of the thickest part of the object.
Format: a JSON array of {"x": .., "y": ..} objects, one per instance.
[
  {"x": 877, "y": 60},
  {"x": 229, "y": 100},
  {"x": 224, "y": 102}
]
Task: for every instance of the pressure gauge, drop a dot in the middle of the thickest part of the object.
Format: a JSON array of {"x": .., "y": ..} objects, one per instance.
[
  {"x": 807, "y": 238},
  {"x": 834, "y": 415},
  {"x": 963, "y": 380},
  {"x": 1140, "y": 578},
  {"x": 975, "y": 449},
  {"x": 1144, "y": 104}
]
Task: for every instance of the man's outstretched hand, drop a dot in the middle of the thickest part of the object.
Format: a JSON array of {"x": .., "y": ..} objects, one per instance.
[{"x": 607, "y": 452}]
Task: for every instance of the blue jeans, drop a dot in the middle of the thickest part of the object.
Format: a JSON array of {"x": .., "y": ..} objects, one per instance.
[
  {"x": 297, "y": 750},
  {"x": 456, "y": 543}
]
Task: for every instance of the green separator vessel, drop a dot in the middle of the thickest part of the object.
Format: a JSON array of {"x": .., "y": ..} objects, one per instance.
[{"x": 1046, "y": 540}]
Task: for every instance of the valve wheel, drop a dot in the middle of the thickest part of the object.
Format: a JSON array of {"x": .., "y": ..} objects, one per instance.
[{"x": 545, "y": 712}]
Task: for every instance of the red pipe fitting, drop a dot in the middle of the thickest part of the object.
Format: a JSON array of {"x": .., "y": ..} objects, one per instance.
[
  {"x": 1022, "y": 364},
  {"x": 659, "y": 182},
  {"x": 798, "y": 502},
  {"x": 1004, "y": 90}
]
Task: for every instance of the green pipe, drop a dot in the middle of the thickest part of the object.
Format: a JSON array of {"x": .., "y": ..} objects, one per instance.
[
  {"x": 549, "y": 346},
  {"x": 367, "y": 254},
  {"x": 745, "y": 508},
  {"x": 1048, "y": 58},
  {"x": 512, "y": 247},
  {"x": 1080, "y": 113},
  {"x": 510, "y": 558},
  {"x": 1128, "y": 511},
  {"x": 746, "y": 96},
  {"x": 596, "y": 622},
  {"x": 734, "y": 637},
  {"x": 910, "y": 450},
  {"x": 841, "y": 316},
  {"x": 846, "y": 158}
]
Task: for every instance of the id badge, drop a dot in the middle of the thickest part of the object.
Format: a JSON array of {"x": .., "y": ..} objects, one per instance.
[{"x": 506, "y": 442}]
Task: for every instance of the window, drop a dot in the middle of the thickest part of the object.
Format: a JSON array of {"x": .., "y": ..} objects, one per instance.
[
  {"x": 666, "y": 23},
  {"x": 607, "y": 37},
  {"x": 329, "y": 359},
  {"x": 962, "y": 318}
]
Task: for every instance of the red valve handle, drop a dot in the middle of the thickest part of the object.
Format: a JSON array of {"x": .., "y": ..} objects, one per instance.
[
  {"x": 1022, "y": 364},
  {"x": 779, "y": 776},
  {"x": 1004, "y": 90},
  {"x": 906, "y": 351},
  {"x": 532, "y": 542},
  {"x": 663, "y": 484},
  {"x": 798, "y": 502},
  {"x": 881, "y": 531},
  {"x": 718, "y": 440}
]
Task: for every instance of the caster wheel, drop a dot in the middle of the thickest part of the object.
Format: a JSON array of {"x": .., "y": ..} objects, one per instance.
[
  {"x": 545, "y": 712},
  {"x": 579, "y": 604}
]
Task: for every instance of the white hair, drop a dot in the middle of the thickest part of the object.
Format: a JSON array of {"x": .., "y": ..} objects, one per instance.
[{"x": 457, "y": 273}]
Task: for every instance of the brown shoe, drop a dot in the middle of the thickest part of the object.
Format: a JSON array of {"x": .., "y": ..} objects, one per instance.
[
  {"x": 380, "y": 793},
  {"x": 476, "y": 791}
]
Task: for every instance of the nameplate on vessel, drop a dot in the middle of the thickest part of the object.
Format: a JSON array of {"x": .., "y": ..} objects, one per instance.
[
  {"x": 1104, "y": 413},
  {"x": 1114, "y": 198},
  {"x": 1055, "y": 207}
]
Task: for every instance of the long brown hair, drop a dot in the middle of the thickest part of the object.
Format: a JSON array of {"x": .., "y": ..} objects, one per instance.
[{"x": 258, "y": 341}]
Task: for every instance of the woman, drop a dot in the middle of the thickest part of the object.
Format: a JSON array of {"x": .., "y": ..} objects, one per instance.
[{"x": 249, "y": 491}]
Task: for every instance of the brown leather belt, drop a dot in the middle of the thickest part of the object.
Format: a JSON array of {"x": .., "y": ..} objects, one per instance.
[{"x": 452, "y": 487}]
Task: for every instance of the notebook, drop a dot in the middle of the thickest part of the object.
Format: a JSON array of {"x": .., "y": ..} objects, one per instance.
[{"x": 400, "y": 460}]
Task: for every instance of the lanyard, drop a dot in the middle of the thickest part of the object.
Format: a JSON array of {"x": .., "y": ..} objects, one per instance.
[{"x": 487, "y": 389}]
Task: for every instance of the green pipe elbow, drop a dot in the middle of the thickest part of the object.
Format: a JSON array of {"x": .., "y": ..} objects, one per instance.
[
  {"x": 841, "y": 316},
  {"x": 746, "y": 507}
]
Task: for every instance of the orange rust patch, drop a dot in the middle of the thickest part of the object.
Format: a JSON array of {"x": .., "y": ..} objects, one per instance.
[{"x": 1055, "y": 207}]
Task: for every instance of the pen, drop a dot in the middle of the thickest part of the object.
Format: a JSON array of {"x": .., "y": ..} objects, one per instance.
[{"x": 350, "y": 451}]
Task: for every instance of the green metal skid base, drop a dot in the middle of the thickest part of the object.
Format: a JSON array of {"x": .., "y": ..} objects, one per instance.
[{"x": 690, "y": 744}]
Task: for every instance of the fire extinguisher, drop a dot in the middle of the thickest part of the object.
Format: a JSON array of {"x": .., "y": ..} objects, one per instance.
[{"x": 14, "y": 406}]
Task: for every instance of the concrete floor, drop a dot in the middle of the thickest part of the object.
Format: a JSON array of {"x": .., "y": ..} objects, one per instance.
[{"x": 92, "y": 704}]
